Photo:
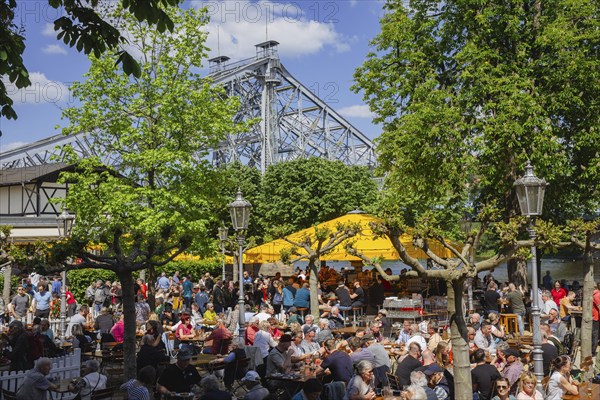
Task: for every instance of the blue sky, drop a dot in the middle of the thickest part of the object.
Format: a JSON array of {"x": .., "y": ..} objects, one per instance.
[{"x": 321, "y": 44}]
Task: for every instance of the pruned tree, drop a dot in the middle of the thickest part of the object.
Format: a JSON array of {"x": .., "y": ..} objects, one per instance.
[
  {"x": 582, "y": 234},
  {"x": 161, "y": 126},
  {"x": 311, "y": 247},
  {"x": 454, "y": 272}
]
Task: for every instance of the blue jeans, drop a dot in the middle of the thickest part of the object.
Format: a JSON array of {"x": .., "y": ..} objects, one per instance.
[{"x": 521, "y": 324}]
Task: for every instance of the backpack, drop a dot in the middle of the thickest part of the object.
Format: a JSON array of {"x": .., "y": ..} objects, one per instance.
[
  {"x": 568, "y": 342},
  {"x": 560, "y": 347},
  {"x": 277, "y": 298}
]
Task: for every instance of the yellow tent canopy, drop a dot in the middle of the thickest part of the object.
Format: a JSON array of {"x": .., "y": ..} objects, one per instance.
[{"x": 365, "y": 242}]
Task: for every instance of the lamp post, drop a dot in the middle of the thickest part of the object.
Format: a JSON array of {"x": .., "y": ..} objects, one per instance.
[
  {"x": 64, "y": 223},
  {"x": 223, "y": 233},
  {"x": 530, "y": 193},
  {"x": 240, "y": 215}
]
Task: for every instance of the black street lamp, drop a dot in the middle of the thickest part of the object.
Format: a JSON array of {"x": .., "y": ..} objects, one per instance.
[
  {"x": 223, "y": 233},
  {"x": 64, "y": 223},
  {"x": 240, "y": 215},
  {"x": 530, "y": 193}
]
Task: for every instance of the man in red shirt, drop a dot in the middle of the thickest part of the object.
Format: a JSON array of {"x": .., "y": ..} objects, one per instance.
[
  {"x": 221, "y": 339},
  {"x": 251, "y": 331},
  {"x": 596, "y": 319}
]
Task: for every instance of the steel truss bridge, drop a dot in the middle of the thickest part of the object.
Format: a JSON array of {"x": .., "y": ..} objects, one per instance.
[{"x": 294, "y": 122}]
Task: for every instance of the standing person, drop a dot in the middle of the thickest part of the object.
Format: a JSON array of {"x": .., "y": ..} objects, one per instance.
[
  {"x": 558, "y": 292},
  {"x": 547, "y": 281},
  {"x": 41, "y": 302},
  {"x": 36, "y": 384},
  {"x": 175, "y": 278},
  {"x": 56, "y": 285},
  {"x": 277, "y": 296},
  {"x": 515, "y": 301},
  {"x": 71, "y": 303},
  {"x": 219, "y": 297},
  {"x": 596, "y": 319},
  {"x": 201, "y": 299},
  {"x": 490, "y": 298},
  {"x": 188, "y": 288},
  {"x": 19, "y": 304},
  {"x": 99, "y": 297},
  {"x": 89, "y": 294},
  {"x": 142, "y": 310}
]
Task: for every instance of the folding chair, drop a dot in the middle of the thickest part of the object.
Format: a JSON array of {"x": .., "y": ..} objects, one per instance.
[
  {"x": 242, "y": 365},
  {"x": 393, "y": 381},
  {"x": 8, "y": 395}
]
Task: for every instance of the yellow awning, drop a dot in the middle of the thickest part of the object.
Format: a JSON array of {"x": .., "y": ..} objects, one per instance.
[{"x": 364, "y": 242}]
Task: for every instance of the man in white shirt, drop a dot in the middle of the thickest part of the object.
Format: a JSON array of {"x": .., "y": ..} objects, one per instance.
[
  {"x": 416, "y": 337},
  {"x": 547, "y": 304},
  {"x": 484, "y": 339},
  {"x": 263, "y": 315}
]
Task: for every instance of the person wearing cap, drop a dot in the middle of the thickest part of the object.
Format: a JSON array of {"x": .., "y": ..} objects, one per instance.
[
  {"x": 309, "y": 345},
  {"x": 483, "y": 375},
  {"x": 178, "y": 377},
  {"x": 311, "y": 390},
  {"x": 513, "y": 369},
  {"x": 279, "y": 359},
  {"x": 437, "y": 381},
  {"x": 256, "y": 391}
]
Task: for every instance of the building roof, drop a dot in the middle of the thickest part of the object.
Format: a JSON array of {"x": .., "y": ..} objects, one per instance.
[{"x": 46, "y": 172}]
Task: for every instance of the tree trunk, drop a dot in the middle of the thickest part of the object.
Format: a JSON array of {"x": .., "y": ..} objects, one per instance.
[
  {"x": 458, "y": 337},
  {"x": 129, "y": 367},
  {"x": 7, "y": 278},
  {"x": 588, "y": 293},
  {"x": 517, "y": 272},
  {"x": 314, "y": 288},
  {"x": 234, "y": 268}
]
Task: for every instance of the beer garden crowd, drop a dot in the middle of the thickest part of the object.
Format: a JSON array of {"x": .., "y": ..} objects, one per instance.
[{"x": 189, "y": 344}]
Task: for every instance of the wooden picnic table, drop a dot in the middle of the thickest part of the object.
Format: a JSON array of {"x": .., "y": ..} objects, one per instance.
[
  {"x": 348, "y": 330},
  {"x": 587, "y": 390}
]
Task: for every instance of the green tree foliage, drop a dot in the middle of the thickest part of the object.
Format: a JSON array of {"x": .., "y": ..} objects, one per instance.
[
  {"x": 83, "y": 25},
  {"x": 468, "y": 91},
  {"x": 160, "y": 126},
  {"x": 298, "y": 194}
]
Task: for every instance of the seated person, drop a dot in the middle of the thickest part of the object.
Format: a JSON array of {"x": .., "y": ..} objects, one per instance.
[
  {"x": 236, "y": 354},
  {"x": 220, "y": 337},
  {"x": 210, "y": 316},
  {"x": 79, "y": 339},
  {"x": 151, "y": 353},
  {"x": 210, "y": 385},
  {"x": 136, "y": 388},
  {"x": 336, "y": 320},
  {"x": 255, "y": 390},
  {"x": 179, "y": 377},
  {"x": 36, "y": 384},
  {"x": 92, "y": 380}
]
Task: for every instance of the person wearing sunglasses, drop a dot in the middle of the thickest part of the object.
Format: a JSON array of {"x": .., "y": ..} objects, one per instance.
[{"x": 502, "y": 390}]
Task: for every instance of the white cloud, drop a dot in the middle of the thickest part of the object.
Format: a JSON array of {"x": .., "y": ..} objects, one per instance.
[
  {"x": 49, "y": 30},
  {"x": 11, "y": 146},
  {"x": 41, "y": 91},
  {"x": 356, "y": 111},
  {"x": 54, "y": 49},
  {"x": 241, "y": 24}
]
